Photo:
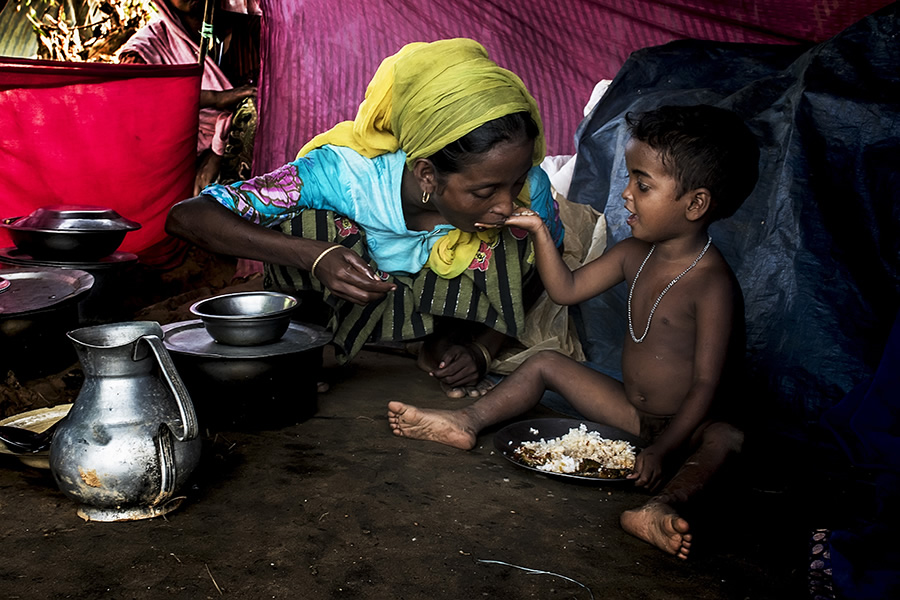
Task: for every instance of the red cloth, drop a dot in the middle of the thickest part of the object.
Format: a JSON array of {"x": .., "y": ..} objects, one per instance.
[
  {"x": 118, "y": 136},
  {"x": 319, "y": 55}
]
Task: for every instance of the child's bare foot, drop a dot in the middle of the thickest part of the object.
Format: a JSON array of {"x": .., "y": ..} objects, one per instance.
[
  {"x": 660, "y": 525},
  {"x": 444, "y": 426}
]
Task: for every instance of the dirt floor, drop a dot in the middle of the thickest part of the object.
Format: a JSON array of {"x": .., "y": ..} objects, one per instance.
[{"x": 334, "y": 506}]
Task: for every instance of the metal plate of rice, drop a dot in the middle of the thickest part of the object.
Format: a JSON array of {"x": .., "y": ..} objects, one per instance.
[{"x": 559, "y": 447}]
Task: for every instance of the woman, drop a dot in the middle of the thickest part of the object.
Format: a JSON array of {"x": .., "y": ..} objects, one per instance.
[{"x": 444, "y": 140}]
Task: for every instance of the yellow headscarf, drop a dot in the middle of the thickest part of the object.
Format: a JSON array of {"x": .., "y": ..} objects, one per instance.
[{"x": 421, "y": 99}]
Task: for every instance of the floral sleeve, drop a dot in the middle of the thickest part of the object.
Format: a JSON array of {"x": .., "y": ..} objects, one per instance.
[{"x": 265, "y": 200}]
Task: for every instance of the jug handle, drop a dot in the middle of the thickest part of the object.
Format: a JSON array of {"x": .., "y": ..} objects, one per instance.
[
  {"x": 168, "y": 477},
  {"x": 189, "y": 428}
]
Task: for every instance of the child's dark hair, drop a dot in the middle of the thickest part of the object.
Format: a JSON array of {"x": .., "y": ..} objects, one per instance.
[
  {"x": 456, "y": 156},
  {"x": 702, "y": 146}
]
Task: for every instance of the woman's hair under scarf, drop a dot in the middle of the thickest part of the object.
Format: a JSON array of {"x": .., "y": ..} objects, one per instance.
[
  {"x": 428, "y": 95},
  {"x": 424, "y": 97}
]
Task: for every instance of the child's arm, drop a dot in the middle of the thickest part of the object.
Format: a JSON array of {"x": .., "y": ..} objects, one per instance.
[
  {"x": 714, "y": 310},
  {"x": 563, "y": 285}
]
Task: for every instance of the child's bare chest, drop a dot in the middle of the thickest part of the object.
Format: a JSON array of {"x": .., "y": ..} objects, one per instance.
[{"x": 664, "y": 309}]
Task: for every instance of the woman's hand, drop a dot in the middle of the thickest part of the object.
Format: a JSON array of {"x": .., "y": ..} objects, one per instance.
[
  {"x": 648, "y": 469},
  {"x": 459, "y": 366},
  {"x": 348, "y": 276}
]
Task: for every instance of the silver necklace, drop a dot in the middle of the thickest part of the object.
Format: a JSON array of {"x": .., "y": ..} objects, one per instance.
[{"x": 638, "y": 340}]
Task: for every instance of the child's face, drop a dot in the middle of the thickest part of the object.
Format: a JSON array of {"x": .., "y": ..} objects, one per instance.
[{"x": 651, "y": 195}]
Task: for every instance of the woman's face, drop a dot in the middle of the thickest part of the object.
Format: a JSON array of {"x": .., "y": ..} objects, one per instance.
[{"x": 485, "y": 191}]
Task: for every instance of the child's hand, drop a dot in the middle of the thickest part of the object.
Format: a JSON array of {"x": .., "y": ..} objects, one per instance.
[
  {"x": 647, "y": 469},
  {"x": 522, "y": 218}
]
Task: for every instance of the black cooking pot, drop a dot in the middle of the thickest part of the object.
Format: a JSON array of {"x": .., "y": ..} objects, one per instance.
[
  {"x": 36, "y": 310},
  {"x": 72, "y": 233},
  {"x": 248, "y": 387}
]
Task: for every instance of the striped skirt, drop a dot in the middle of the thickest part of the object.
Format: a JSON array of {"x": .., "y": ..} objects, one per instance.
[{"x": 488, "y": 292}]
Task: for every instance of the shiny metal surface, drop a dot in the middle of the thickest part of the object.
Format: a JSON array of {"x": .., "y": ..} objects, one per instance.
[
  {"x": 246, "y": 318},
  {"x": 71, "y": 217},
  {"x": 190, "y": 338},
  {"x": 14, "y": 256},
  {"x": 34, "y": 290},
  {"x": 75, "y": 233},
  {"x": 131, "y": 438}
]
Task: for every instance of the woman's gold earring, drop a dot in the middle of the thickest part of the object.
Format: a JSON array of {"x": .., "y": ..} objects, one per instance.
[{"x": 425, "y": 197}]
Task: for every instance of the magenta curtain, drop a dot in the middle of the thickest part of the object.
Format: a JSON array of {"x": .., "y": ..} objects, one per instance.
[
  {"x": 117, "y": 136},
  {"x": 318, "y": 55}
]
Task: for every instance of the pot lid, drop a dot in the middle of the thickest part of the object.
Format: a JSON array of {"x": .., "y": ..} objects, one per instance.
[
  {"x": 13, "y": 256},
  {"x": 32, "y": 290},
  {"x": 72, "y": 217},
  {"x": 191, "y": 338}
]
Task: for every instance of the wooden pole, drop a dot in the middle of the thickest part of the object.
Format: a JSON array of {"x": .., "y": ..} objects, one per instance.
[{"x": 206, "y": 29}]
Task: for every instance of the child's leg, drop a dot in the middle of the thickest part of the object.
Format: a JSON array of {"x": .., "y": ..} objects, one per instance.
[
  {"x": 522, "y": 390},
  {"x": 597, "y": 396},
  {"x": 659, "y": 521},
  {"x": 718, "y": 442}
]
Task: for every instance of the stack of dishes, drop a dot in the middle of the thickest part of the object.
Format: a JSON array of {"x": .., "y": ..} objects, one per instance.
[
  {"x": 69, "y": 233},
  {"x": 78, "y": 237}
]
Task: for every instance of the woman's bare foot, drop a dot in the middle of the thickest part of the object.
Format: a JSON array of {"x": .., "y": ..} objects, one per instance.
[
  {"x": 471, "y": 391},
  {"x": 454, "y": 392},
  {"x": 481, "y": 388},
  {"x": 660, "y": 525},
  {"x": 444, "y": 426}
]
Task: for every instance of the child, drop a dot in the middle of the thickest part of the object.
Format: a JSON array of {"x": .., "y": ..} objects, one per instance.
[{"x": 687, "y": 167}]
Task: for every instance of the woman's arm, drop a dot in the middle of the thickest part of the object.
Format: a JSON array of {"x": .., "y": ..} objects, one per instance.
[
  {"x": 205, "y": 222},
  {"x": 226, "y": 99}
]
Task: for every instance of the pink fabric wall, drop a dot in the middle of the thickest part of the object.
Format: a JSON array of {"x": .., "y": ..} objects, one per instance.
[{"x": 318, "y": 55}]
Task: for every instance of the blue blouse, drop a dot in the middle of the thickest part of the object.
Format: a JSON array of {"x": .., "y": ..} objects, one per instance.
[{"x": 365, "y": 190}]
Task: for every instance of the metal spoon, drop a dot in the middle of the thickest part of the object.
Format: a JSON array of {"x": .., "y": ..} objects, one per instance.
[{"x": 20, "y": 440}]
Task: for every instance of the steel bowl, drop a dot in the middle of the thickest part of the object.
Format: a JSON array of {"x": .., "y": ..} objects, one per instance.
[
  {"x": 69, "y": 232},
  {"x": 246, "y": 318}
]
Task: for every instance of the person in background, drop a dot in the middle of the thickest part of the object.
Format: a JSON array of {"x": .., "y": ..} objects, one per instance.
[{"x": 230, "y": 72}]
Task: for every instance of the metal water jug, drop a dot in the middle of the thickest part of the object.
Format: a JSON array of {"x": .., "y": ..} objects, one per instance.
[{"x": 131, "y": 438}]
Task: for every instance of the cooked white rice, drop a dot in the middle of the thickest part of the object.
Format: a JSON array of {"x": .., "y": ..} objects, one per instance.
[{"x": 564, "y": 454}]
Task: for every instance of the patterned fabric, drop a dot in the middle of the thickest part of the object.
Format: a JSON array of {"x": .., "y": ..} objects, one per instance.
[
  {"x": 237, "y": 159},
  {"x": 365, "y": 190},
  {"x": 821, "y": 585},
  {"x": 488, "y": 292}
]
